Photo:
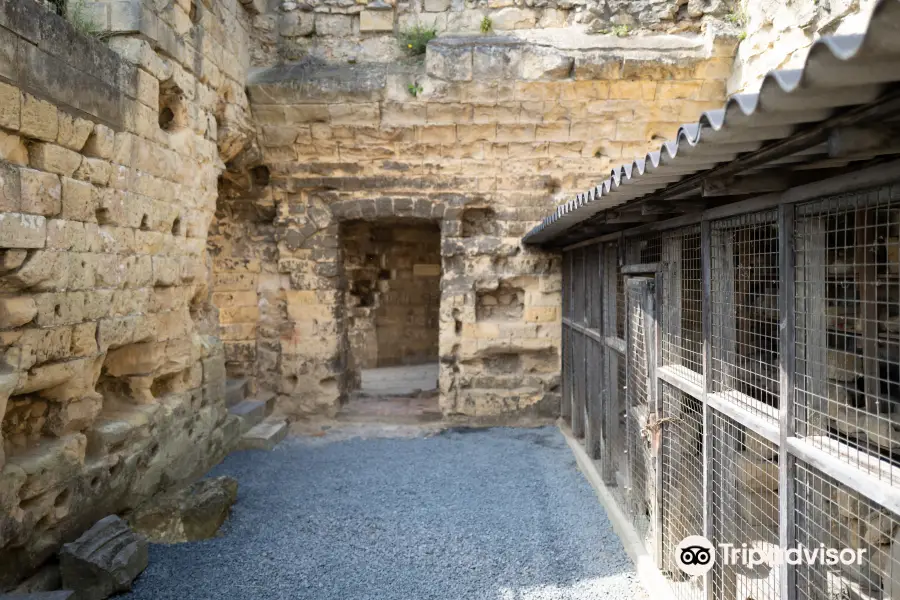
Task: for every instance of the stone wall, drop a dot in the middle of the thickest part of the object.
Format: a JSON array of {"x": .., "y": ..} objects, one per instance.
[
  {"x": 341, "y": 31},
  {"x": 112, "y": 383},
  {"x": 779, "y": 34},
  {"x": 482, "y": 139},
  {"x": 393, "y": 293}
]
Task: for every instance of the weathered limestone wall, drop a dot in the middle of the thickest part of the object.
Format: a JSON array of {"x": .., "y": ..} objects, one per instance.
[
  {"x": 112, "y": 383},
  {"x": 779, "y": 34},
  {"x": 393, "y": 278},
  {"x": 498, "y": 131},
  {"x": 339, "y": 31}
]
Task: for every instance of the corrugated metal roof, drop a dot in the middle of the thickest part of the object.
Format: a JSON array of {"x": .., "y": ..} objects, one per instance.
[{"x": 839, "y": 72}]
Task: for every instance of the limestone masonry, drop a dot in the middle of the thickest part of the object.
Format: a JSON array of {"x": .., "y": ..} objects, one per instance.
[{"x": 278, "y": 191}]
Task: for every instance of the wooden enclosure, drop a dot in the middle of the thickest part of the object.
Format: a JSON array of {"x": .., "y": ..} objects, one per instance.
[{"x": 736, "y": 374}]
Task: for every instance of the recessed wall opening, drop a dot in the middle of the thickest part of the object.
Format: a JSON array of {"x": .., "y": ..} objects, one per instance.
[{"x": 393, "y": 272}]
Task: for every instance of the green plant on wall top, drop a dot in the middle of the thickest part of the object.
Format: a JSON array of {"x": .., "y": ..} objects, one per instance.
[
  {"x": 415, "y": 39},
  {"x": 617, "y": 30},
  {"x": 487, "y": 25},
  {"x": 737, "y": 17},
  {"x": 414, "y": 89}
]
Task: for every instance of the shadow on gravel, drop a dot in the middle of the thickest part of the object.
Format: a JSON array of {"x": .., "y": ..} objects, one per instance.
[{"x": 467, "y": 514}]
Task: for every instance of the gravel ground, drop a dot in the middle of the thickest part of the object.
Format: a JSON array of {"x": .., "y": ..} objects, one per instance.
[{"x": 464, "y": 514}]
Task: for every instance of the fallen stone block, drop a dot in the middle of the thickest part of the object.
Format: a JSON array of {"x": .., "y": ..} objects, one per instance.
[
  {"x": 188, "y": 514},
  {"x": 104, "y": 561},
  {"x": 264, "y": 436}
]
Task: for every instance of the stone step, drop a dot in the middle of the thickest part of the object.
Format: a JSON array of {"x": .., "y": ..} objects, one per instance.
[
  {"x": 236, "y": 391},
  {"x": 251, "y": 413},
  {"x": 265, "y": 435}
]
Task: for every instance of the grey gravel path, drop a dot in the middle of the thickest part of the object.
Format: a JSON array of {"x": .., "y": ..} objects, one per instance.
[{"x": 497, "y": 514}]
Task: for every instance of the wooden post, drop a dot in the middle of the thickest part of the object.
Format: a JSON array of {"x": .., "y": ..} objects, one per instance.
[
  {"x": 708, "y": 471},
  {"x": 786, "y": 367},
  {"x": 671, "y": 306}
]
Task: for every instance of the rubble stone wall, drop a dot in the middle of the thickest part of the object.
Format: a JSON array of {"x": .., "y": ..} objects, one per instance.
[
  {"x": 779, "y": 34},
  {"x": 483, "y": 139},
  {"x": 113, "y": 376},
  {"x": 369, "y": 30}
]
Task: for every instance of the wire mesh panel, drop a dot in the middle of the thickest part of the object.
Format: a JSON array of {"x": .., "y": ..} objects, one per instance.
[
  {"x": 744, "y": 310},
  {"x": 682, "y": 483},
  {"x": 641, "y": 470},
  {"x": 682, "y": 339},
  {"x": 831, "y": 517},
  {"x": 848, "y": 328},
  {"x": 744, "y": 508}
]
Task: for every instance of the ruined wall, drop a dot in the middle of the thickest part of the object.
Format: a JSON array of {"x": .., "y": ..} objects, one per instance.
[
  {"x": 482, "y": 139},
  {"x": 113, "y": 379},
  {"x": 393, "y": 293},
  {"x": 341, "y": 31},
  {"x": 779, "y": 34}
]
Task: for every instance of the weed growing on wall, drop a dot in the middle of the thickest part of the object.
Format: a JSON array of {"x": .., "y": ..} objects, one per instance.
[
  {"x": 414, "y": 89},
  {"x": 415, "y": 39},
  {"x": 487, "y": 25}
]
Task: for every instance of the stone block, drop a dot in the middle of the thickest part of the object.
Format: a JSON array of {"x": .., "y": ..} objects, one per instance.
[
  {"x": 41, "y": 193},
  {"x": 545, "y": 64},
  {"x": 513, "y": 18},
  {"x": 598, "y": 65},
  {"x": 296, "y": 24},
  {"x": 10, "y": 187},
  {"x": 376, "y": 20},
  {"x": 101, "y": 143},
  {"x": 22, "y": 231},
  {"x": 104, "y": 560},
  {"x": 265, "y": 435},
  {"x": 10, "y": 107},
  {"x": 186, "y": 515},
  {"x": 334, "y": 25},
  {"x": 39, "y": 119},
  {"x": 78, "y": 201},
  {"x": 17, "y": 311},
  {"x": 53, "y": 158},
  {"x": 12, "y": 150},
  {"x": 449, "y": 62},
  {"x": 73, "y": 132}
]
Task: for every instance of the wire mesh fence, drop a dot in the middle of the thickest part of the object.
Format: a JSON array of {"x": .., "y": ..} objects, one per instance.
[
  {"x": 682, "y": 339},
  {"x": 744, "y": 508},
  {"x": 716, "y": 472},
  {"x": 744, "y": 310},
  {"x": 848, "y": 328},
  {"x": 682, "y": 481},
  {"x": 830, "y": 517}
]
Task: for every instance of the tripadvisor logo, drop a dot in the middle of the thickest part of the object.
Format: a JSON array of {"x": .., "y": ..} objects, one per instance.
[{"x": 696, "y": 555}]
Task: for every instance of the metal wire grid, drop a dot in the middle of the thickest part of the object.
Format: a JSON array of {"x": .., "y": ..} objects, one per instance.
[
  {"x": 682, "y": 481},
  {"x": 682, "y": 339},
  {"x": 618, "y": 433},
  {"x": 830, "y": 515},
  {"x": 848, "y": 329},
  {"x": 644, "y": 249},
  {"x": 640, "y": 473},
  {"x": 743, "y": 473},
  {"x": 744, "y": 310},
  {"x": 640, "y": 460}
]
